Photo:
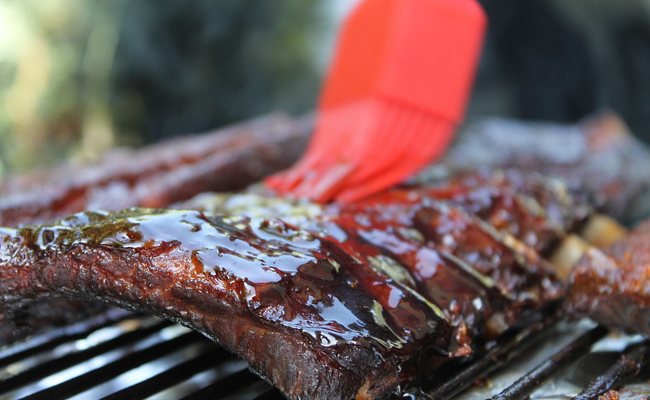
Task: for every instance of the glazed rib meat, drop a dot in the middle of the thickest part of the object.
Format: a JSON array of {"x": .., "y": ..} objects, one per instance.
[
  {"x": 334, "y": 301},
  {"x": 538, "y": 210},
  {"x": 307, "y": 316},
  {"x": 613, "y": 286}
]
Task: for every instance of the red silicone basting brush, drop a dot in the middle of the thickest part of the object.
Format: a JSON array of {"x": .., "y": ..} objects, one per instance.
[{"x": 393, "y": 98}]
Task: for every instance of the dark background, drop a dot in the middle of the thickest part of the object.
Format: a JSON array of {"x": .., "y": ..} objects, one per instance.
[
  {"x": 80, "y": 77},
  {"x": 560, "y": 60}
]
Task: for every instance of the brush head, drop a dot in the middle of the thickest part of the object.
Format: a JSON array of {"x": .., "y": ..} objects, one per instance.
[{"x": 385, "y": 142}]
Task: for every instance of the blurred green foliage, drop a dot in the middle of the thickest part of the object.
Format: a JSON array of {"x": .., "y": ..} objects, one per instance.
[{"x": 80, "y": 76}]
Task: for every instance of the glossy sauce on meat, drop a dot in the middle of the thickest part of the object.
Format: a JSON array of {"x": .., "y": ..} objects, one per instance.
[
  {"x": 284, "y": 275},
  {"x": 478, "y": 276}
]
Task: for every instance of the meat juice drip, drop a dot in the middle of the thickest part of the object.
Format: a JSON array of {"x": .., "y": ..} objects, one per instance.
[
  {"x": 451, "y": 292},
  {"x": 285, "y": 275},
  {"x": 403, "y": 305}
]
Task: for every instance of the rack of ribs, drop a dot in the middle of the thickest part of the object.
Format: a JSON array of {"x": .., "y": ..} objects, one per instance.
[{"x": 333, "y": 301}]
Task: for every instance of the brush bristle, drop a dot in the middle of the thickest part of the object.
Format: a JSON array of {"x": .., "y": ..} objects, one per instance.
[{"x": 363, "y": 148}]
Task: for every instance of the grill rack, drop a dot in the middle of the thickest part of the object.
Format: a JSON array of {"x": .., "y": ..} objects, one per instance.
[{"x": 123, "y": 355}]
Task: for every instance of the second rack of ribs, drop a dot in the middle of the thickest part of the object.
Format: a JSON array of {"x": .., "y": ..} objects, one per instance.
[{"x": 333, "y": 301}]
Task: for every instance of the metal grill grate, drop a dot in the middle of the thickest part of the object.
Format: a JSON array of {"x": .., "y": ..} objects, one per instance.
[{"x": 121, "y": 355}]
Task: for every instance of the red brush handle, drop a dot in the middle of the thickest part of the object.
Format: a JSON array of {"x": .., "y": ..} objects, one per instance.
[{"x": 422, "y": 53}]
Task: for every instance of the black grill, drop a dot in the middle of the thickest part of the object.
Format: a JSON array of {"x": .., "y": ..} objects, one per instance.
[{"x": 122, "y": 355}]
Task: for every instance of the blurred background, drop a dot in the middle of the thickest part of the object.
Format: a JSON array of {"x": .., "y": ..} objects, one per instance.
[{"x": 78, "y": 77}]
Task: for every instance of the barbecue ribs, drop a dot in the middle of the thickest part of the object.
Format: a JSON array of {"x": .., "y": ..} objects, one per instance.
[
  {"x": 324, "y": 301},
  {"x": 334, "y": 301}
]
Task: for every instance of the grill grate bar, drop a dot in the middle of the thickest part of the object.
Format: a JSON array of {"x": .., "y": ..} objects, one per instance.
[
  {"x": 86, "y": 381},
  {"x": 170, "y": 377},
  {"x": 53, "y": 366},
  {"x": 495, "y": 358},
  {"x": 236, "y": 381},
  {"x": 20, "y": 351},
  {"x": 528, "y": 383},
  {"x": 271, "y": 394},
  {"x": 225, "y": 386},
  {"x": 627, "y": 366}
]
